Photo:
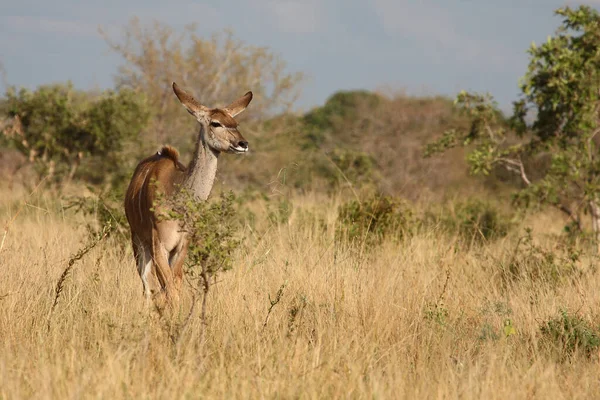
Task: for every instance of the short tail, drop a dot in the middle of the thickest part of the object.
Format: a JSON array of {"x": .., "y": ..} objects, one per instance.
[{"x": 169, "y": 152}]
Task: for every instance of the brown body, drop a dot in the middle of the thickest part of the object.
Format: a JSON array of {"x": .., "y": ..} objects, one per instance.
[
  {"x": 153, "y": 240},
  {"x": 160, "y": 247}
]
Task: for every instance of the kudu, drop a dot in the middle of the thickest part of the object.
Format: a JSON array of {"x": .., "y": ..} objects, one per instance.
[{"x": 160, "y": 246}]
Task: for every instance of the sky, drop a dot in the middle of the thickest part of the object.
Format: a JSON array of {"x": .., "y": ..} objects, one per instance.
[{"x": 418, "y": 47}]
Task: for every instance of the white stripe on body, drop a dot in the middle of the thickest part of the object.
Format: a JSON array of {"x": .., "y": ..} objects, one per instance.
[{"x": 141, "y": 193}]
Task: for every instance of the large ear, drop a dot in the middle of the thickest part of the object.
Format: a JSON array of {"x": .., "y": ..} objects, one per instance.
[
  {"x": 239, "y": 105},
  {"x": 190, "y": 104}
]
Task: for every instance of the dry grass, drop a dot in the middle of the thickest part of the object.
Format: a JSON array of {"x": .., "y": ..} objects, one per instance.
[{"x": 407, "y": 320}]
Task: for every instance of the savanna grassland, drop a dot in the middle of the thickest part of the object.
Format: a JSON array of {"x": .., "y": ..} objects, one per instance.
[
  {"x": 386, "y": 246},
  {"x": 427, "y": 314}
]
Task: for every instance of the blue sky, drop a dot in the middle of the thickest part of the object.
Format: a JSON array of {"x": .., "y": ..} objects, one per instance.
[{"x": 420, "y": 47}]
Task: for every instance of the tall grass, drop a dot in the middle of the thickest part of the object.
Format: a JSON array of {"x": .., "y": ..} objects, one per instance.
[{"x": 297, "y": 317}]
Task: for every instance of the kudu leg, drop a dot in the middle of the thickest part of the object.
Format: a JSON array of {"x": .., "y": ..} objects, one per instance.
[
  {"x": 176, "y": 261},
  {"x": 143, "y": 259},
  {"x": 162, "y": 268}
]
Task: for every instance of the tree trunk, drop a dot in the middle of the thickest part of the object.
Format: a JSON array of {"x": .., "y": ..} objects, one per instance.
[
  {"x": 74, "y": 166},
  {"x": 595, "y": 213}
]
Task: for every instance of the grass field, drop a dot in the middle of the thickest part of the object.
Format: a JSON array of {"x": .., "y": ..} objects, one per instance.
[{"x": 420, "y": 318}]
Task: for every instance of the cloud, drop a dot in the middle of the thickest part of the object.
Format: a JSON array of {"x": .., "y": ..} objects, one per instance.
[
  {"x": 84, "y": 20},
  {"x": 435, "y": 29},
  {"x": 295, "y": 16},
  {"x": 32, "y": 24}
]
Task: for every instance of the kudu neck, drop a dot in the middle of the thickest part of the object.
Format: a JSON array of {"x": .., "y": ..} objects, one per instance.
[{"x": 202, "y": 169}]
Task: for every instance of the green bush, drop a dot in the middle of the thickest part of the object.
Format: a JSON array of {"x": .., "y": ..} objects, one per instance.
[
  {"x": 473, "y": 221},
  {"x": 568, "y": 334},
  {"x": 106, "y": 210},
  {"x": 373, "y": 219},
  {"x": 340, "y": 105},
  {"x": 60, "y": 128},
  {"x": 211, "y": 226},
  {"x": 356, "y": 166},
  {"x": 532, "y": 262}
]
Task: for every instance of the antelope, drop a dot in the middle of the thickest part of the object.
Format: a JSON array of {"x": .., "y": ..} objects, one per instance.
[{"x": 160, "y": 246}]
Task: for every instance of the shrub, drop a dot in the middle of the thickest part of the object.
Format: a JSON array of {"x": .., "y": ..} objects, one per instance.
[
  {"x": 532, "y": 262},
  {"x": 107, "y": 211},
  {"x": 211, "y": 227},
  {"x": 474, "y": 221},
  {"x": 356, "y": 166},
  {"x": 373, "y": 219},
  {"x": 568, "y": 334},
  {"x": 59, "y": 128},
  {"x": 279, "y": 213}
]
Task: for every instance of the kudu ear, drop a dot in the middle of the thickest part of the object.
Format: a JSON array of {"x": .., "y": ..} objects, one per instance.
[
  {"x": 239, "y": 105},
  {"x": 190, "y": 104}
]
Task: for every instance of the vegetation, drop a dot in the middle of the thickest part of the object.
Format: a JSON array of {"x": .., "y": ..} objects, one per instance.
[
  {"x": 345, "y": 264},
  {"x": 219, "y": 69},
  {"x": 57, "y": 128},
  {"x": 562, "y": 87},
  {"x": 569, "y": 334},
  {"x": 345, "y": 325},
  {"x": 371, "y": 220}
]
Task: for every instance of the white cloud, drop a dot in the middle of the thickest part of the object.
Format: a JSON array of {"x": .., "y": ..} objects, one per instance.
[{"x": 435, "y": 29}]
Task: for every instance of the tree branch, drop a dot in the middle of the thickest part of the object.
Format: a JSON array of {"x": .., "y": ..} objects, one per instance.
[{"x": 516, "y": 166}]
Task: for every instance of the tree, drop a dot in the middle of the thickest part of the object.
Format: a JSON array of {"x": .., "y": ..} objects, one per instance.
[
  {"x": 562, "y": 90},
  {"x": 56, "y": 126},
  {"x": 217, "y": 68}
]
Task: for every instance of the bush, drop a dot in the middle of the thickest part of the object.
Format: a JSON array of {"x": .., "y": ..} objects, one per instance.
[
  {"x": 59, "y": 128},
  {"x": 373, "y": 219},
  {"x": 107, "y": 211},
  {"x": 532, "y": 262},
  {"x": 474, "y": 221},
  {"x": 280, "y": 212},
  {"x": 356, "y": 166},
  {"x": 211, "y": 228},
  {"x": 568, "y": 334}
]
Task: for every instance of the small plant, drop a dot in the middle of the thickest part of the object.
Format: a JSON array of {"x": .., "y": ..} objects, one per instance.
[
  {"x": 496, "y": 322},
  {"x": 373, "y": 219},
  {"x": 568, "y": 334},
  {"x": 295, "y": 313},
  {"x": 211, "y": 228},
  {"x": 106, "y": 209},
  {"x": 474, "y": 221},
  {"x": 531, "y": 262},
  {"x": 281, "y": 212},
  {"x": 273, "y": 303},
  {"x": 436, "y": 311},
  {"x": 481, "y": 221},
  {"x": 106, "y": 231}
]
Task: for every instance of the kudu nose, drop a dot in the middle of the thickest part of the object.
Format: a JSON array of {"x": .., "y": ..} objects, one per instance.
[{"x": 243, "y": 144}]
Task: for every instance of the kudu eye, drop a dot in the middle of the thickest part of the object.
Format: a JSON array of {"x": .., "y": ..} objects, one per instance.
[{"x": 215, "y": 124}]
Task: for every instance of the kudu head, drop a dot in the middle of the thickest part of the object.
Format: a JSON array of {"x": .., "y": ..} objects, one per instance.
[{"x": 220, "y": 129}]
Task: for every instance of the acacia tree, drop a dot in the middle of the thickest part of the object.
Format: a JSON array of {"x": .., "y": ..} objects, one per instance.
[
  {"x": 219, "y": 68},
  {"x": 562, "y": 90}
]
